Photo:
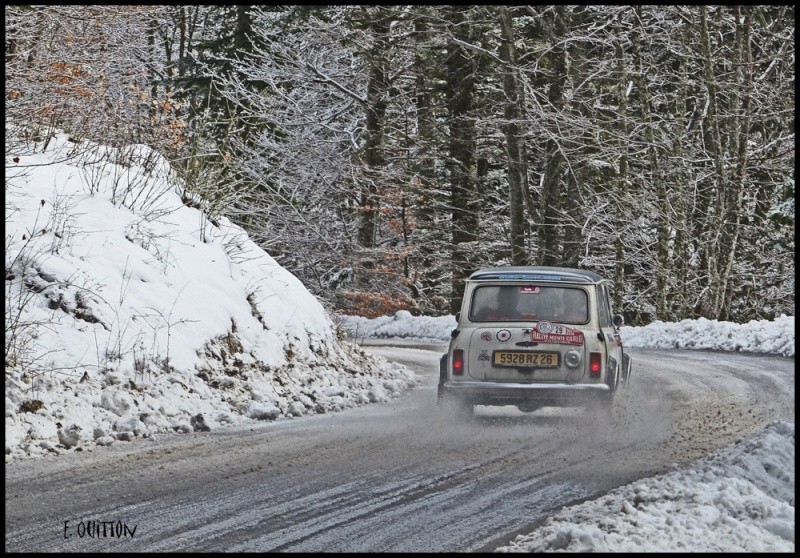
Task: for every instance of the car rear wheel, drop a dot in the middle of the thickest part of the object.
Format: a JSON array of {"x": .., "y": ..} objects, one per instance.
[
  {"x": 440, "y": 391},
  {"x": 440, "y": 395},
  {"x": 604, "y": 404}
]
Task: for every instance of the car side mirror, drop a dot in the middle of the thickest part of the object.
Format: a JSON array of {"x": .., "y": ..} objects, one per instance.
[{"x": 618, "y": 320}]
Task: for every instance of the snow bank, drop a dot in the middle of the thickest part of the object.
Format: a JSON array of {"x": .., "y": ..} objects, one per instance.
[{"x": 130, "y": 312}]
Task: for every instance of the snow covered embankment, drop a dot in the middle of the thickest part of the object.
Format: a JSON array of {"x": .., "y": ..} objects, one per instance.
[{"x": 129, "y": 312}]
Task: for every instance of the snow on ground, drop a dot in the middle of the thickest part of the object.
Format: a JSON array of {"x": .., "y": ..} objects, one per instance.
[
  {"x": 756, "y": 336},
  {"x": 739, "y": 499},
  {"x": 129, "y": 312}
]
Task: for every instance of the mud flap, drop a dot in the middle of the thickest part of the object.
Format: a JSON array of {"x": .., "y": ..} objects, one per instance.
[
  {"x": 605, "y": 399},
  {"x": 440, "y": 393},
  {"x": 626, "y": 367}
]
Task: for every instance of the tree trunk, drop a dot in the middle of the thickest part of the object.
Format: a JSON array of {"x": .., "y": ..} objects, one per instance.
[
  {"x": 658, "y": 180},
  {"x": 427, "y": 201},
  {"x": 679, "y": 301},
  {"x": 517, "y": 183},
  {"x": 460, "y": 98},
  {"x": 741, "y": 134},
  {"x": 714, "y": 146},
  {"x": 620, "y": 199},
  {"x": 374, "y": 160},
  {"x": 549, "y": 230}
]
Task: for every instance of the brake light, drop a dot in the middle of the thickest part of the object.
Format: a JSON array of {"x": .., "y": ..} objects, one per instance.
[
  {"x": 595, "y": 364},
  {"x": 458, "y": 362}
]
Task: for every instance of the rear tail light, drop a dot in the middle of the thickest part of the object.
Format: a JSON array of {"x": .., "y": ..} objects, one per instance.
[
  {"x": 458, "y": 362},
  {"x": 595, "y": 364}
]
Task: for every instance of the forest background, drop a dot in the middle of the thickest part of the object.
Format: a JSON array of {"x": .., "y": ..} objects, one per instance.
[{"x": 383, "y": 153}]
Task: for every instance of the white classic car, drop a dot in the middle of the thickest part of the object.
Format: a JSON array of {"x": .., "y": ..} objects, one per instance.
[{"x": 534, "y": 337}]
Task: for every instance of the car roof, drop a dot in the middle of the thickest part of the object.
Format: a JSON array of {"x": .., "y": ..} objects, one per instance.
[{"x": 536, "y": 273}]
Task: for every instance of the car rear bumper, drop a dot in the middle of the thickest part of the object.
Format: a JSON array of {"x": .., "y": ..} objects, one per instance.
[{"x": 508, "y": 393}]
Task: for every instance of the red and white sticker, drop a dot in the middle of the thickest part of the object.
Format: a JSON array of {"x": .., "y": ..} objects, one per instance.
[
  {"x": 546, "y": 332},
  {"x": 529, "y": 290}
]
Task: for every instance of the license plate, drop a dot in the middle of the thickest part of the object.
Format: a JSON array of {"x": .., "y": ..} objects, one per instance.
[{"x": 525, "y": 359}]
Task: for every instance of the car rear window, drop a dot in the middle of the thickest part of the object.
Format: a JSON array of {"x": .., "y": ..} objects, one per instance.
[{"x": 491, "y": 303}]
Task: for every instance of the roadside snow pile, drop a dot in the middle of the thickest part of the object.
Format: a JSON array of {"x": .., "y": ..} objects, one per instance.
[
  {"x": 756, "y": 336},
  {"x": 760, "y": 336},
  {"x": 739, "y": 499},
  {"x": 399, "y": 325},
  {"x": 129, "y": 312}
]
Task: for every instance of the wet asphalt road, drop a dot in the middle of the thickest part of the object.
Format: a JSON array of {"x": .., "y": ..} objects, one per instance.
[{"x": 394, "y": 477}]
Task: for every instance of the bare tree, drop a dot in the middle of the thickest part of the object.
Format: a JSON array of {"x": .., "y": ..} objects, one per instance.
[
  {"x": 87, "y": 70},
  {"x": 400, "y": 147}
]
